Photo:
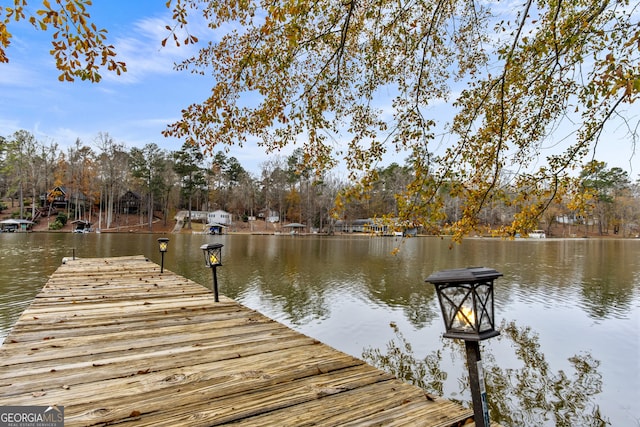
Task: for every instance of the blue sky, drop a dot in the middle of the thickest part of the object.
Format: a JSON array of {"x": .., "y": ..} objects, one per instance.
[
  {"x": 135, "y": 107},
  {"x": 132, "y": 108}
]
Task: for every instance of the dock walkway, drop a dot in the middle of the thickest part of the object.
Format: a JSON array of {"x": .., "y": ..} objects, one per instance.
[{"x": 116, "y": 342}]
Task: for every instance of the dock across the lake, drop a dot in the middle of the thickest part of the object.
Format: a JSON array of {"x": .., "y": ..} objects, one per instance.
[{"x": 114, "y": 341}]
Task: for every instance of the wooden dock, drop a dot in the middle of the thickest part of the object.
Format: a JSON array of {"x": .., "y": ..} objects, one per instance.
[{"x": 116, "y": 342}]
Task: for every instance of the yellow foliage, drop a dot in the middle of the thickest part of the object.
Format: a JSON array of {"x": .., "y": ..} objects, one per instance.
[
  {"x": 353, "y": 81},
  {"x": 78, "y": 46}
]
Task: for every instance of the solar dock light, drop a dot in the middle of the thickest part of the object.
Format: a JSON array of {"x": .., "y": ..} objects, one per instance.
[
  {"x": 212, "y": 259},
  {"x": 163, "y": 244},
  {"x": 466, "y": 301}
]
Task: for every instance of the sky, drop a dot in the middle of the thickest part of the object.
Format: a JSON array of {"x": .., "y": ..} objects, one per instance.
[{"x": 135, "y": 108}]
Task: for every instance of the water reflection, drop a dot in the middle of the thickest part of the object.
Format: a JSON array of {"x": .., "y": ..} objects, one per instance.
[
  {"x": 305, "y": 278},
  {"x": 528, "y": 395},
  {"x": 579, "y": 295},
  {"x": 601, "y": 276}
]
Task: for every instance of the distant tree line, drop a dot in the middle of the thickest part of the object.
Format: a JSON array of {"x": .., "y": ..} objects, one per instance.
[{"x": 603, "y": 200}]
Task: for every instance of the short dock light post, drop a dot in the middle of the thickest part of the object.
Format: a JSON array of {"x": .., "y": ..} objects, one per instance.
[
  {"x": 163, "y": 244},
  {"x": 466, "y": 301},
  {"x": 212, "y": 259}
]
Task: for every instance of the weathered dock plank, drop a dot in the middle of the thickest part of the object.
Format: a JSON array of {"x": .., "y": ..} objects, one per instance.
[{"x": 116, "y": 342}]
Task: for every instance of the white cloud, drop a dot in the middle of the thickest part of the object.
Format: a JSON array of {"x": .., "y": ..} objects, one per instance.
[
  {"x": 17, "y": 74},
  {"x": 144, "y": 54}
]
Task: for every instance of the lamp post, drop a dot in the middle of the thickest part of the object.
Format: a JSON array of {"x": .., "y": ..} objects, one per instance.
[
  {"x": 212, "y": 259},
  {"x": 163, "y": 244},
  {"x": 466, "y": 301}
]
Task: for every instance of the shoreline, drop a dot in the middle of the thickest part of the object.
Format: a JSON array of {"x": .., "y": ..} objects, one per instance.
[
  {"x": 339, "y": 234},
  {"x": 133, "y": 226}
]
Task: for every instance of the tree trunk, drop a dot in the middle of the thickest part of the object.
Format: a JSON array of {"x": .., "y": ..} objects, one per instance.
[
  {"x": 34, "y": 195},
  {"x": 110, "y": 206},
  {"x": 21, "y": 202},
  {"x": 150, "y": 213}
]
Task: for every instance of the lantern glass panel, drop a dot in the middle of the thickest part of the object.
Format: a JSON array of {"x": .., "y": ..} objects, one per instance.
[
  {"x": 213, "y": 258},
  {"x": 206, "y": 256},
  {"x": 484, "y": 297},
  {"x": 458, "y": 308},
  {"x": 163, "y": 245},
  {"x": 212, "y": 254},
  {"x": 467, "y": 308}
]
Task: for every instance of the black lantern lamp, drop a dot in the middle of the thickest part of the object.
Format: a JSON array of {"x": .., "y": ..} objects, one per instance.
[
  {"x": 212, "y": 259},
  {"x": 466, "y": 301},
  {"x": 163, "y": 244}
]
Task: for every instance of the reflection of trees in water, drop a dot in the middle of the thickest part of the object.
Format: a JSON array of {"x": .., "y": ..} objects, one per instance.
[
  {"x": 419, "y": 308},
  {"x": 401, "y": 362},
  {"x": 604, "y": 298},
  {"x": 531, "y": 395}
]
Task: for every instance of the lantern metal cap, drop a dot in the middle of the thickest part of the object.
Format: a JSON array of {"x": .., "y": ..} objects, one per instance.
[
  {"x": 211, "y": 246},
  {"x": 463, "y": 275}
]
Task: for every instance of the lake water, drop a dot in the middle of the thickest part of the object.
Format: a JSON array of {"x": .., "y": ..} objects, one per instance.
[{"x": 569, "y": 310}]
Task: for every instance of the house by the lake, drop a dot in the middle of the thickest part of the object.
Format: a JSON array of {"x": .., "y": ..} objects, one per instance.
[
  {"x": 16, "y": 225},
  {"x": 218, "y": 221},
  {"x": 269, "y": 215},
  {"x": 130, "y": 202},
  {"x": 61, "y": 198},
  {"x": 219, "y": 217},
  {"x": 81, "y": 226},
  {"x": 375, "y": 226}
]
